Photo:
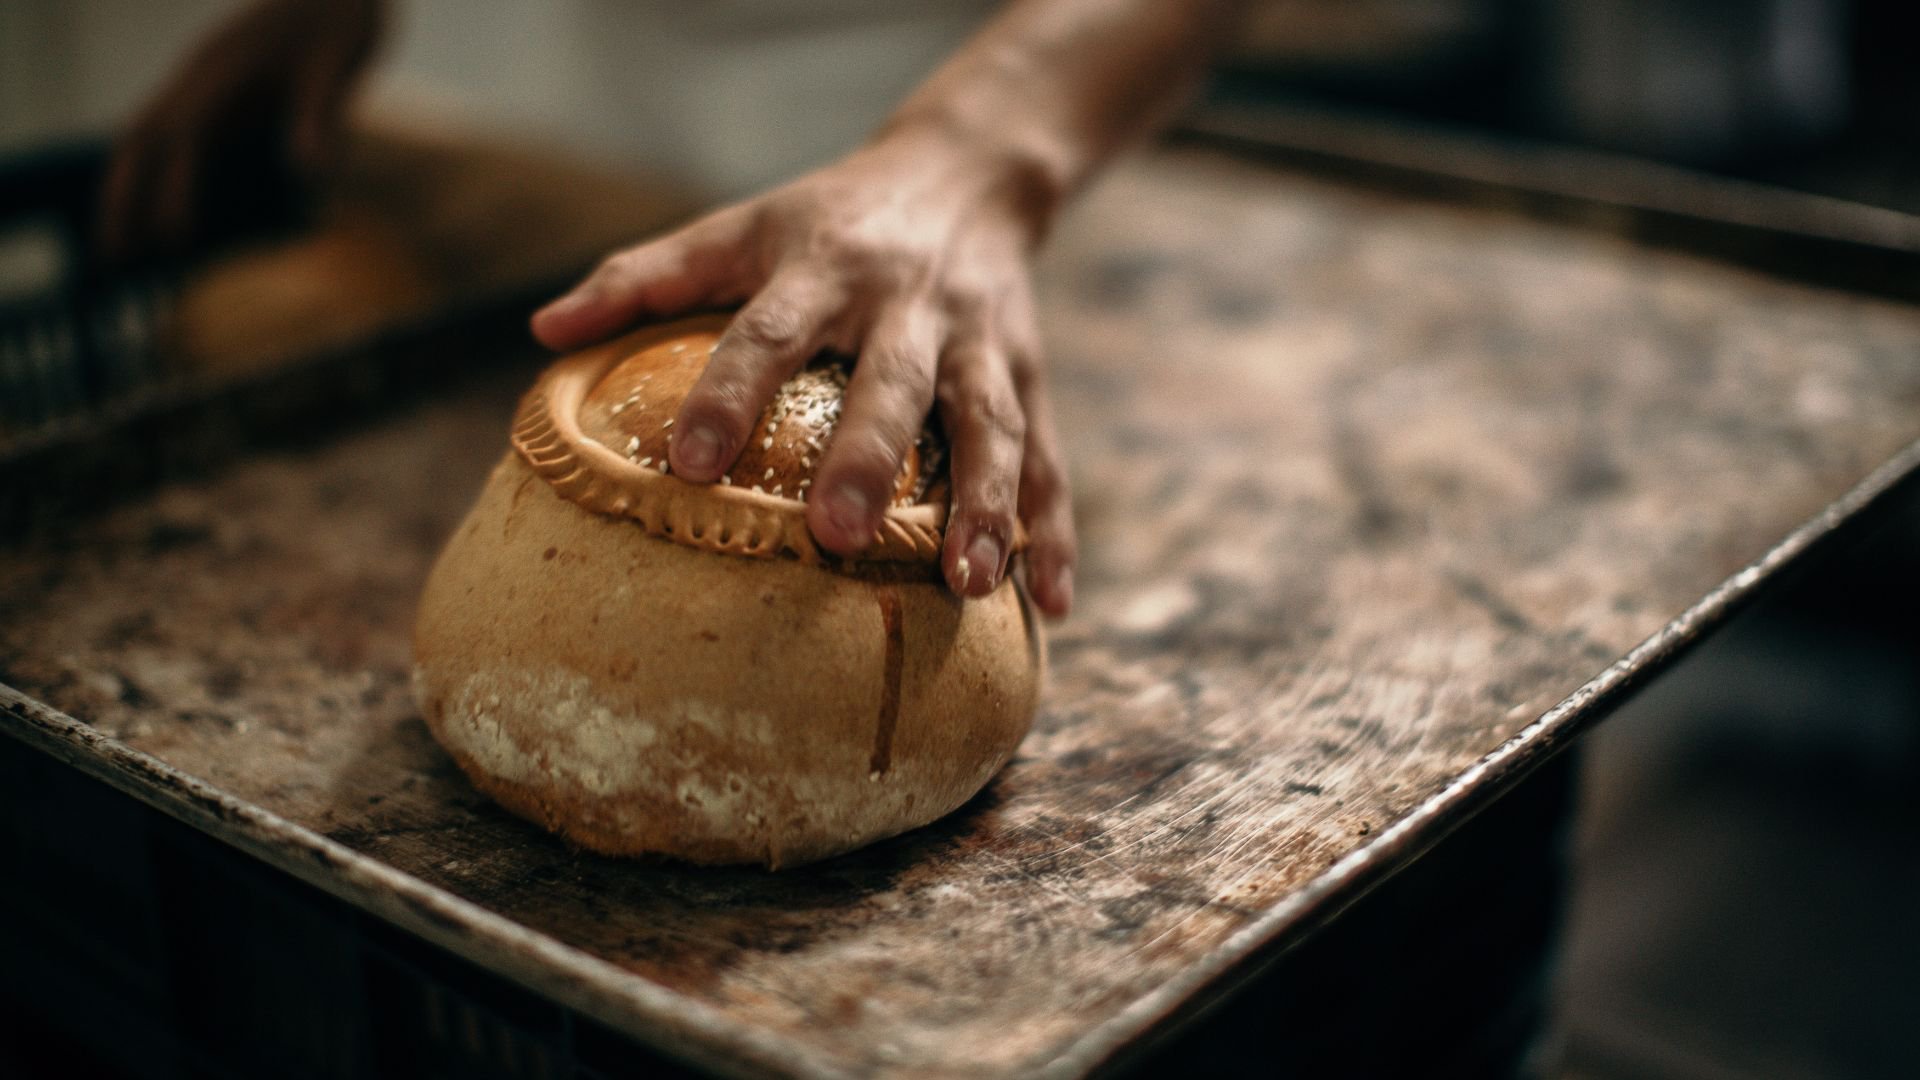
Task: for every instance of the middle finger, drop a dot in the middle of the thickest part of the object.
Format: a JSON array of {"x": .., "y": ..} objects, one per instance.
[
  {"x": 886, "y": 404},
  {"x": 776, "y": 333}
]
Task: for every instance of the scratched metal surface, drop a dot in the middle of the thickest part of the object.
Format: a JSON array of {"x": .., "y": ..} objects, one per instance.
[{"x": 1365, "y": 486}]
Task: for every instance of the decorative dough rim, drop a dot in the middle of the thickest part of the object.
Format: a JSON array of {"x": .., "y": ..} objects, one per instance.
[{"x": 730, "y": 520}]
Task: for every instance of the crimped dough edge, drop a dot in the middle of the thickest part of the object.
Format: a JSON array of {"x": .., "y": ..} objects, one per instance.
[{"x": 729, "y": 520}]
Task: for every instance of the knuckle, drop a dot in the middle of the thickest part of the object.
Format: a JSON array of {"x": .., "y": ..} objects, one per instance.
[
  {"x": 992, "y": 501},
  {"x": 617, "y": 267},
  {"x": 865, "y": 255},
  {"x": 988, "y": 404},
  {"x": 884, "y": 427},
  {"x": 859, "y": 256},
  {"x": 768, "y": 326},
  {"x": 965, "y": 298},
  {"x": 904, "y": 372},
  {"x": 999, "y": 413},
  {"x": 890, "y": 435},
  {"x": 723, "y": 400},
  {"x": 868, "y": 459},
  {"x": 617, "y": 273}
]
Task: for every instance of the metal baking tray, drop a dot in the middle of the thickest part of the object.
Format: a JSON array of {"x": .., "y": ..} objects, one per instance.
[{"x": 1384, "y": 498}]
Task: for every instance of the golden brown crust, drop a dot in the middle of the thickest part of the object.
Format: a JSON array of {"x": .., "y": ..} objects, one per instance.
[
  {"x": 631, "y": 411},
  {"x": 563, "y": 420},
  {"x": 641, "y": 697}
]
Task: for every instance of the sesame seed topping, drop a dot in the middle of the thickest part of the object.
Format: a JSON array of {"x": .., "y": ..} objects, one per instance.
[
  {"x": 756, "y": 487},
  {"x": 645, "y": 461},
  {"x": 669, "y": 423},
  {"x": 766, "y": 443},
  {"x": 768, "y": 475}
]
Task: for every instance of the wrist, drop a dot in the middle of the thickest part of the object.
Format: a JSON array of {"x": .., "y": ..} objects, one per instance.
[{"x": 1018, "y": 180}]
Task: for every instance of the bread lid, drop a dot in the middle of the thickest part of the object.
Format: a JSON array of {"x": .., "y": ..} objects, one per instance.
[{"x": 597, "y": 426}]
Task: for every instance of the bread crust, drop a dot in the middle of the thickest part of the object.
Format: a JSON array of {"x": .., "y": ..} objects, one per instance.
[{"x": 640, "y": 696}]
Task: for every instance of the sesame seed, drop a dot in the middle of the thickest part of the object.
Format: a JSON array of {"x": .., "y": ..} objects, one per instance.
[
  {"x": 669, "y": 423},
  {"x": 633, "y": 444},
  {"x": 768, "y": 475},
  {"x": 766, "y": 443},
  {"x": 776, "y": 489},
  {"x": 645, "y": 461},
  {"x": 726, "y": 479},
  {"x": 756, "y": 487},
  {"x": 618, "y": 407}
]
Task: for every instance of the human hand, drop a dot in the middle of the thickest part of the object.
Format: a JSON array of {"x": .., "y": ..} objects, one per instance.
[
  {"x": 913, "y": 255},
  {"x": 258, "y": 104}
]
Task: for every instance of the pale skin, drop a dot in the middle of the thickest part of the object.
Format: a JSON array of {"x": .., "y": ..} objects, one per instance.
[{"x": 912, "y": 254}]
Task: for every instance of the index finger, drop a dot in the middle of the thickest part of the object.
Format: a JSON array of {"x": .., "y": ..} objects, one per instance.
[{"x": 697, "y": 265}]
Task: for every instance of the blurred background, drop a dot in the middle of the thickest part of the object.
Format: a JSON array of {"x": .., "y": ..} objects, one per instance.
[
  {"x": 736, "y": 94},
  {"x": 729, "y": 95},
  {"x": 1746, "y": 902}
]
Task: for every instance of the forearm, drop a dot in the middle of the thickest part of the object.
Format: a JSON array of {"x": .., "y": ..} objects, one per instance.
[{"x": 1052, "y": 88}]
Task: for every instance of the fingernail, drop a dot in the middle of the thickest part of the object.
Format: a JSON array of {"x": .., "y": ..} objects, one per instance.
[
  {"x": 848, "y": 511},
  {"x": 962, "y": 574},
  {"x": 699, "y": 448},
  {"x": 984, "y": 552}
]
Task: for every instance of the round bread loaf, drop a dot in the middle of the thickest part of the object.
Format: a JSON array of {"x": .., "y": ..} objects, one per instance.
[{"x": 645, "y": 665}]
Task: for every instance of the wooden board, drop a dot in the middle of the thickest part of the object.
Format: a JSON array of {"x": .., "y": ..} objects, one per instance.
[{"x": 1367, "y": 488}]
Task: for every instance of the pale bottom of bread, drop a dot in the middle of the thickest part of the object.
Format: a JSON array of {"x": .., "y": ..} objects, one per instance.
[{"x": 638, "y": 696}]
